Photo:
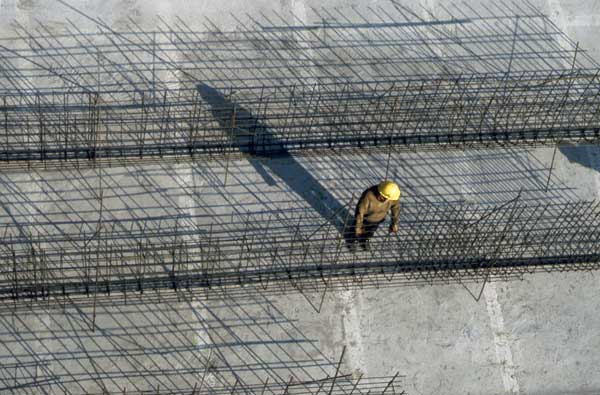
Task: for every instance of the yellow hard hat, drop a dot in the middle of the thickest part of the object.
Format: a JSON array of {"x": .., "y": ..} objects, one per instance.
[{"x": 389, "y": 190}]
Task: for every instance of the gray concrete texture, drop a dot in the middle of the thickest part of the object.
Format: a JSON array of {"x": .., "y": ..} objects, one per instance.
[{"x": 537, "y": 335}]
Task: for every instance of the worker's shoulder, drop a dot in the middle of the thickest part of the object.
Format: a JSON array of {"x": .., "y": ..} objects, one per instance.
[{"x": 370, "y": 193}]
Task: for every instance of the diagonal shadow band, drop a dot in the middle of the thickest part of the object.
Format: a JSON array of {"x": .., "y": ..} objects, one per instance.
[{"x": 247, "y": 133}]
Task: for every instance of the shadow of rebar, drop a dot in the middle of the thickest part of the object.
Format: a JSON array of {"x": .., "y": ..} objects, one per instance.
[
  {"x": 250, "y": 136},
  {"x": 181, "y": 345}
]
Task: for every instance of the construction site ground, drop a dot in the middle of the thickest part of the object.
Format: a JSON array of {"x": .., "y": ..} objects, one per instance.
[{"x": 535, "y": 334}]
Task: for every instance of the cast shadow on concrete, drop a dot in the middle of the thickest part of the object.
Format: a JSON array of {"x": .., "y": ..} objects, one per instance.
[
  {"x": 248, "y": 134},
  {"x": 145, "y": 345},
  {"x": 582, "y": 154}
]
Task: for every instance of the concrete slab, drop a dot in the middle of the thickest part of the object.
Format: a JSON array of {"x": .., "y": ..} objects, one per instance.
[
  {"x": 433, "y": 336},
  {"x": 534, "y": 336}
]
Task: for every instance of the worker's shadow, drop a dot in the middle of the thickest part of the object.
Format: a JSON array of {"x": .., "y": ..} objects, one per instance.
[{"x": 251, "y": 136}]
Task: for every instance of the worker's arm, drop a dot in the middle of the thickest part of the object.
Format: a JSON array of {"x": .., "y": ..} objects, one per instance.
[
  {"x": 361, "y": 209},
  {"x": 395, "y": 216}
]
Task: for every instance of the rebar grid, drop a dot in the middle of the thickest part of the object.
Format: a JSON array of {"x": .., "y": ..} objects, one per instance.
[
  {"x": 265, "y": 250},
  {"x": 463, "y": 111},
  {"x": 382, "y": 77},
  {"x": 350, "y": 44},
  {"x": 347, "y": 81},
  {"x": 314, "y": 293},
  {"x": 223, "y": 346},
  {"x": 341, "y": 383}
]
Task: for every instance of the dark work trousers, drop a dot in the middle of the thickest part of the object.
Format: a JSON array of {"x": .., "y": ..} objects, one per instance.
[{"x": 369, "y": 230}]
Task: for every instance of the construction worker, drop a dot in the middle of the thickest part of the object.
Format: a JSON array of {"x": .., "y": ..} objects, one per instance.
[{"x": 371, "y": 210}]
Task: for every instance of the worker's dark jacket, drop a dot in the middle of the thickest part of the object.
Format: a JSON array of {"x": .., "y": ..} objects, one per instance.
[{"x": 369, "y": 209}]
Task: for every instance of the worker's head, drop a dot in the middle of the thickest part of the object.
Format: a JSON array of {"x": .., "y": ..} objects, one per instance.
[{"x": 388, "y": 190}]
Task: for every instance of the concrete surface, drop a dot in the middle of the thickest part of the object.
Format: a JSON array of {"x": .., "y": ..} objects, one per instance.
[{"x": 534, "y": 336}]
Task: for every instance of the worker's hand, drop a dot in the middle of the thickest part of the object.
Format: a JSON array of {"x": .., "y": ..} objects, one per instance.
[
  {"x": 393, "y": 228},
  {"x": 359, "y": 232}
]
